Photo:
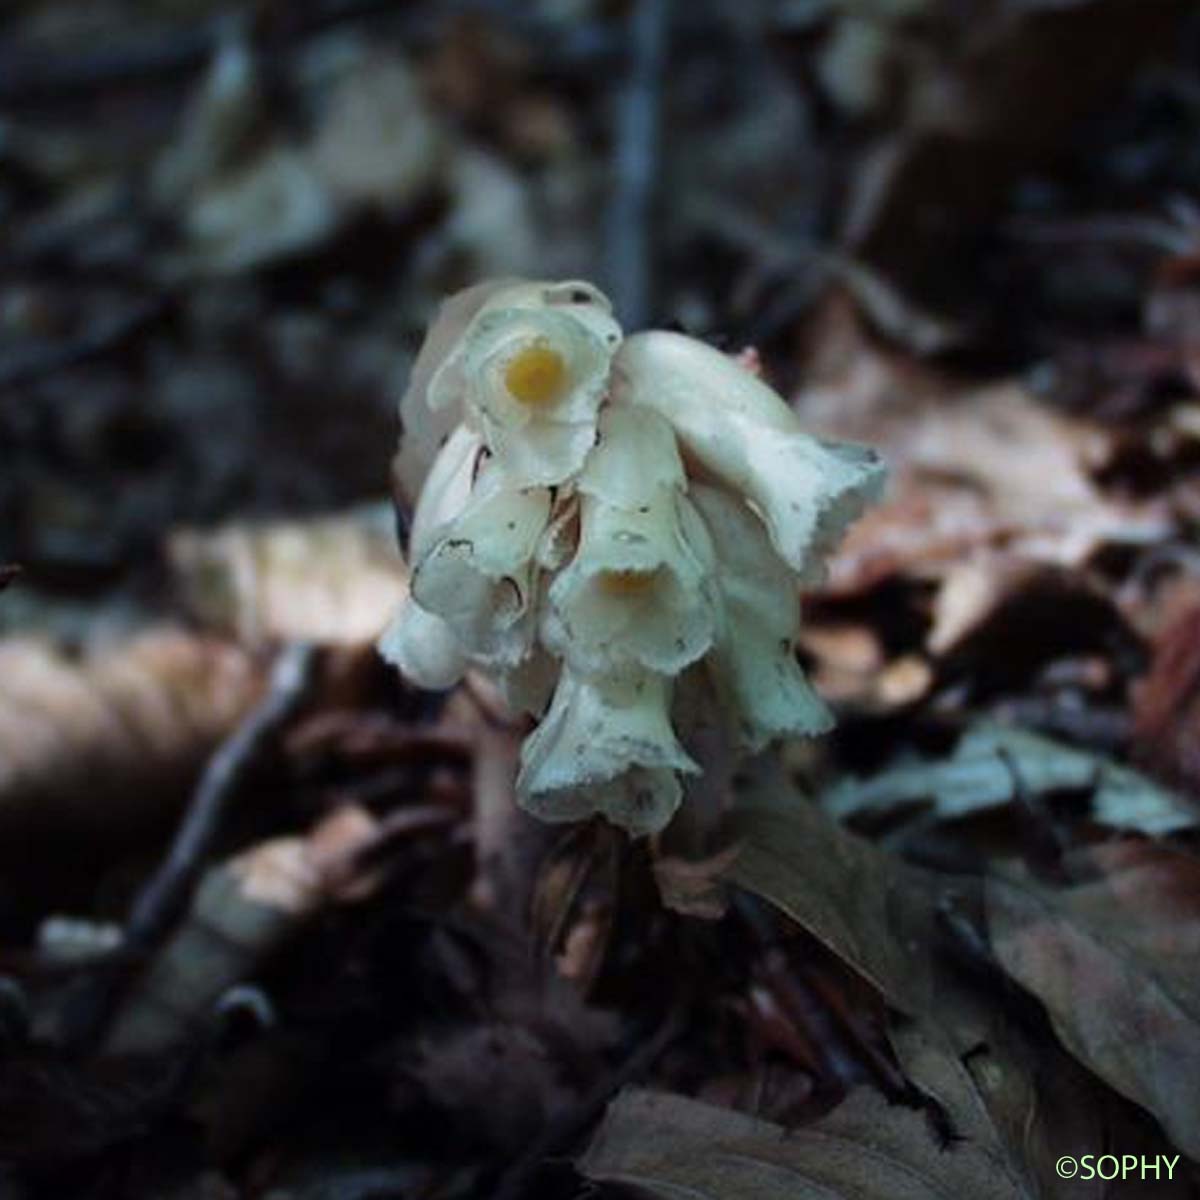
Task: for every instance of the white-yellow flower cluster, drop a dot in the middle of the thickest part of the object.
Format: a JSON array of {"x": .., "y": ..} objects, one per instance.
[{"x": 596, "y": 516}]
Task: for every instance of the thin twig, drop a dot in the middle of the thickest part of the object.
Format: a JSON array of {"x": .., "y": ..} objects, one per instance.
[
  {"x": 168, "y": 891},
  {"x": 635, "y": 167},
  {"x": 562, "y": 1131}
]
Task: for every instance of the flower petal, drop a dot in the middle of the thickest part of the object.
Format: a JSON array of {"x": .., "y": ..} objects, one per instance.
[
  {"x": 480, "y": 575},
  {"x": 597, "y": 729},
  {"x": 753, "y": 663},
  {"x": 586, "y": 303},
  {"x": 737, "y": 428},
  {"x": 423, "y": 429},
  {"x": 641, "y": 801},
  {"x": 535, "y": 379},
  {"x": 634, "y": 456},
  {"x": 423, "y": 647},
  {"x": 427, "y": 414},
  {"x": 543, "y": 453},
  {"x": 446, "y": 492},
  {"x": 637, "y": 590}
]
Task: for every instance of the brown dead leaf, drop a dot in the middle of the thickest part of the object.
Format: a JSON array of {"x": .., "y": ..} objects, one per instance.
[
  {"x": 673, "y": 1147},
  {"x": 1113, "y": 959},
  {"x": 995, "y": 502},
  {"x": 496, "y": 1081},
  {"x": 1037, "y": 613},
  {"x": 334, "y": 579},
  {"x": 1025, "y": 1104},
  {"x": 695, "y": 887},
  {"x": 89, "y": 744},
  {"x": 583, "y": 858},
  {"x": 974, "y": 471},
  {"x": 987, "y": 1095},
  {"x": 850, "y": 667},
  {"x": 1167, "y": 703},
  {"x": 993, "y": 469},
  {"x": 872, "y": 911}
]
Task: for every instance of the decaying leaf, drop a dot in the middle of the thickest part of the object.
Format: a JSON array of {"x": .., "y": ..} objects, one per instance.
[
  {"x": 333, "y": 579},
  {"x": 1113, "y": 959},
  {"x": 1167, "y": 702},
  {"x": 998, "y": 503},
  {"x": 87, "y": 743},
  {"x": 696, "y": 886},
  {"x": 994, "y": 469},
  {"x": 870, "y": 910},
  {"x": 378, "y": 145},
  {"x": 990, "y": 766},
  {"x": 1025, "y": 1104},
  {"x": 675, "y": 1147},
  {"x": 274, "y": 208}
]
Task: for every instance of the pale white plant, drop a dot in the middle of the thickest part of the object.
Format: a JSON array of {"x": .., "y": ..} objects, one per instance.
[{"x": 595, "y": 518}]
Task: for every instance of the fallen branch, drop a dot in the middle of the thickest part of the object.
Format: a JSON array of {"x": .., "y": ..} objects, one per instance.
[{"x": 170, "y": 889}]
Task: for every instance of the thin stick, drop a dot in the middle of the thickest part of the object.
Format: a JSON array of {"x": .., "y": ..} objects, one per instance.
[
  {"x": 169, "y": 888},
  {"x": 168, "y": 891},
  {"x": 635, "y": 166}
]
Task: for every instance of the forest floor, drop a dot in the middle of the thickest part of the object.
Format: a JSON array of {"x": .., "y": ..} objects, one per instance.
[{"x": 270, "y": 921}]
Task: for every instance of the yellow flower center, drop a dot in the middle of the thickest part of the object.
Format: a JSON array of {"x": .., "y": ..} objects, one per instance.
[
  {"x": 626, "y": 583},
  {"x": 536, "y": 376}
]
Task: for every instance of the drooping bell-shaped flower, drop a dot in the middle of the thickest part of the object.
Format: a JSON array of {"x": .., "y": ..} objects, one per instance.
[
  {"x": 753, "y": 664},
  {"x": 417, "y": 641},
  {"x": 480, "y": 574},
  {"x": 423, "y": 648},
  {"x": 639, "y": 589},
  {"x": 441, "y": 361},
  {"x": 606, "y": 744},
  {"x": 736, "y": 428},
  {"x": 529, "y": 372}
]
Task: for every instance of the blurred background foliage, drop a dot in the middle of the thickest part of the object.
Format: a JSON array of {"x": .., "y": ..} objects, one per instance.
[{"x": 225, "y": 226}]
